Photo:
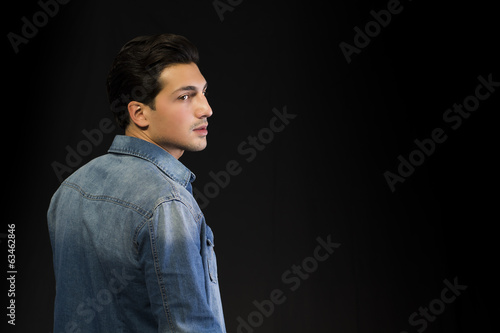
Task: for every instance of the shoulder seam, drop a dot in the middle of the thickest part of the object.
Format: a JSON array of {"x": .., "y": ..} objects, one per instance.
[{"x": 143, "y": 212}]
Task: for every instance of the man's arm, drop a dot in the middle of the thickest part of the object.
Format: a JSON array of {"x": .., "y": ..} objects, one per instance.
[{"x": 175, "y": 272}]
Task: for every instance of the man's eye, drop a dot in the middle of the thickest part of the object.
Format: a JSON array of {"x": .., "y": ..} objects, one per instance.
[
  {"x": 205, "y": 93},
  {"x": 184, "y": 97}
]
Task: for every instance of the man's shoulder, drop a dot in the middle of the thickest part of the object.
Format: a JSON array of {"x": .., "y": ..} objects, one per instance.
[{"x": 127, "y": 178}]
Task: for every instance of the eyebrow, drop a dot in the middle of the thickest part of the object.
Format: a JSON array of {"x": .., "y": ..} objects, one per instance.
[{"x": 190, "y": 88}]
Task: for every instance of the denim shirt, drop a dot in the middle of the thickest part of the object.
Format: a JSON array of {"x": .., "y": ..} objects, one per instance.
[{"x": 131, "y": 249}]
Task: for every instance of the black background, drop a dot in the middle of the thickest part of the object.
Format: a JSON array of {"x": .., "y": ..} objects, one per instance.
[{"x": 322, "y": 175}]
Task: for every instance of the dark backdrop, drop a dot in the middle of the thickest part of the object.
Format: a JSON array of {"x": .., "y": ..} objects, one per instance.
[{"x": 396, "y": 253}]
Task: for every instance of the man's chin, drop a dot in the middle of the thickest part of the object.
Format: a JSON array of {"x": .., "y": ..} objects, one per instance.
[{"x": 197, "y": 147}]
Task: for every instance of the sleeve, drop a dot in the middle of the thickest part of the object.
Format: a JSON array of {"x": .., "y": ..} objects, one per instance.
[{"x": 175, "y": 272}]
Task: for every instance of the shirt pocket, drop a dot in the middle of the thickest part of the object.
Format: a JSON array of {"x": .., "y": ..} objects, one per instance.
[{"x": 211, "y": 258}]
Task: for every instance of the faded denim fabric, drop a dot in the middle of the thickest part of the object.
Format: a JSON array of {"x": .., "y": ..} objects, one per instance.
[{"x": 131, "y": 249}]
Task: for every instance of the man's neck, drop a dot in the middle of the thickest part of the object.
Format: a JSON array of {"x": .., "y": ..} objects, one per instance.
[{"x": 143, "y": 135}]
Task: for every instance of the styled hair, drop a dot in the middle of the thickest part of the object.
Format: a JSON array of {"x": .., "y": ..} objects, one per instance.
[{"x": 135, "y": 72}]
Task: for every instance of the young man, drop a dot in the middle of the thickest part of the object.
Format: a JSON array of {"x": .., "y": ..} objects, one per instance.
[{"x": 131, "y": 249}]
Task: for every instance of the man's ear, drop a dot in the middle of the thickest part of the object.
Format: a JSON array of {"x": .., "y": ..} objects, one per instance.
[{"x": 136, "y": 113}]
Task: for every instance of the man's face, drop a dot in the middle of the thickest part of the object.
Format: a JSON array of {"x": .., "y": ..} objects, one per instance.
[{"x": 179, "y": 121}]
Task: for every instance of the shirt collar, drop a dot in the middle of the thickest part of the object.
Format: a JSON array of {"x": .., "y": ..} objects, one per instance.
[{"x": 168, "y": 164}]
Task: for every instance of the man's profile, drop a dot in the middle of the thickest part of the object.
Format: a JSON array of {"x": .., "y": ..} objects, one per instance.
[{"x": 131, "y": 249}]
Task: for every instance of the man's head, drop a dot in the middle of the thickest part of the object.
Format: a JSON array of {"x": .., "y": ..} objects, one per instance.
[{"x": 157, "y": 93}]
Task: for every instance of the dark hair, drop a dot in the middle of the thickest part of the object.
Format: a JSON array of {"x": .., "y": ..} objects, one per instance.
[{"x": 134, "y": 75}]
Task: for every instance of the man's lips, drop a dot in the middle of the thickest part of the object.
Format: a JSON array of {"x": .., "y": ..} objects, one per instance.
[{"x": 202, "y": 129}]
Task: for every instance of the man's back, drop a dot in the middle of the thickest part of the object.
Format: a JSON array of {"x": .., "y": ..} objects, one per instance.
[{"x": 132, "y": 251}]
